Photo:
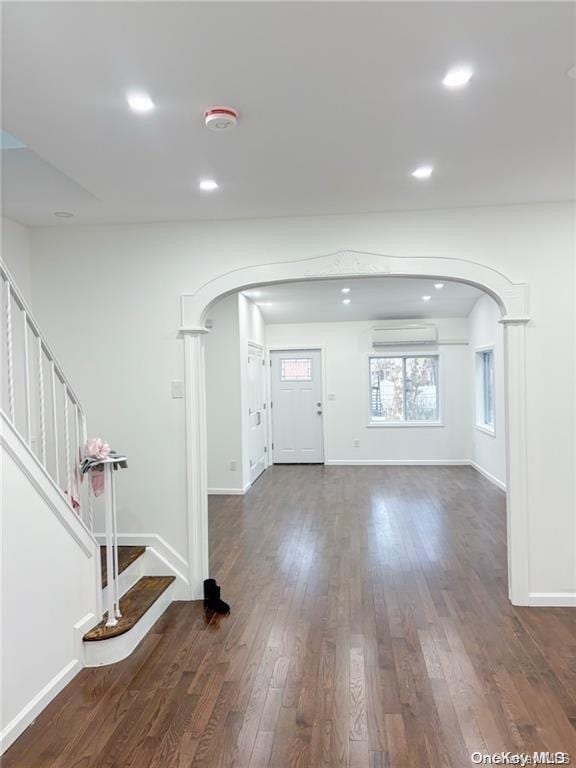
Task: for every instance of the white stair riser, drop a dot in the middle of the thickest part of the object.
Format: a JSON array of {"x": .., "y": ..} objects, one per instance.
[
  {"x": 102, "y": 652},
  {"x": 129, "y": 577}
]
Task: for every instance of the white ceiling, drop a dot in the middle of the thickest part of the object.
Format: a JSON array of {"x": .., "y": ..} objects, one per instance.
[
  {"x": 338, "y": 103},
  {"x": 373, "y": 298}
]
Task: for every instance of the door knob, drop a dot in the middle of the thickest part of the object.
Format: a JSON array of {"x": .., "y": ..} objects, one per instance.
[{"x": 319, "y": 413}]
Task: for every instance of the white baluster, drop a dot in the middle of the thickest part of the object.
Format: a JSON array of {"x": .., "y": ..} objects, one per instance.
[
  {"x": 67, "y": 447},
  {"x": 9, "y": 354},
  {"x": 110, "y": 560},
  {"x": 42, "y": 403},
  {"x": 115, "y": 546},
  {"x": 55, "y": 424},
  {"x": 27, "y": 381},
  {"x": 90, "y": 504}
]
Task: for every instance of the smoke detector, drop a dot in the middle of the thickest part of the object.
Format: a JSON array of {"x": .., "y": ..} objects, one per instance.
[{"x": 220, "y": 118}]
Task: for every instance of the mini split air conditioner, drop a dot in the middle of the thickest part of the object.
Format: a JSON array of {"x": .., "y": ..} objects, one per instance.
[{"x": 403, "y": 335}]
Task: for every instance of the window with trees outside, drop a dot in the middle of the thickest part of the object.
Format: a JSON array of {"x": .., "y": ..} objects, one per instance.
[
  {"x": 404, "y": 389},
  {"x": 485, "y": 389}
]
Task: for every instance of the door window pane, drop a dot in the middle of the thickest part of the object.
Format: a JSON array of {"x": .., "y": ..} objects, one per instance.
[{"x": 296, "y": 369}]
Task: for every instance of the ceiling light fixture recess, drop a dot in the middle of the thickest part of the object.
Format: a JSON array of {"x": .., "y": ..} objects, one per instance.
[
  {"x": 64, "y": 214},
  {"x": 438, "y": 286},
  {"x": 345, "y": 290},
  {"x": 208, "y": 185},
  {"x": 220, "y": 118},
  {"x": 346, "y": 301},
  {"x": 457, "y": 77},
  {"x": 426, "y": 298},
  {"x": 423, "y": 172},
  {"x": 140, "y": 102}
]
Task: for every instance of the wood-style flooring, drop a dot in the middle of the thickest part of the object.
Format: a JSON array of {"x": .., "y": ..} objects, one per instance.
[{"x": 370, "y": 626}]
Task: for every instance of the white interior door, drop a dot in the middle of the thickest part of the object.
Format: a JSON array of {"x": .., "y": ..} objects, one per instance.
[
  {"x": 297, "y": 407},
  {"x": 256, "y": 412}
]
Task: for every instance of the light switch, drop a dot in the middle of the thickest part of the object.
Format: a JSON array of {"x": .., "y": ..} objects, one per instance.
[{"x": 177, "y": 389}]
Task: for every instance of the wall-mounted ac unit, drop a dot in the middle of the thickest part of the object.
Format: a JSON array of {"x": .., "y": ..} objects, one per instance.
[{"x": 403, "y": 335}]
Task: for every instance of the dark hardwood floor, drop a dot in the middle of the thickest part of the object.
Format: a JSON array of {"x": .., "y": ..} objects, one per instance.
[{"x": 370, "y": 626}]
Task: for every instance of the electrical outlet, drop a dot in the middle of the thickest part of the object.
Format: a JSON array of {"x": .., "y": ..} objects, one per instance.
[
  {"x": 233, "y": 466},
  {"x": 356, "y": 443}
]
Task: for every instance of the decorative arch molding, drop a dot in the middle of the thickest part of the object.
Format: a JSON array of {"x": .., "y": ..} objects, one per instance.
[{"x": 512, "y": 299}]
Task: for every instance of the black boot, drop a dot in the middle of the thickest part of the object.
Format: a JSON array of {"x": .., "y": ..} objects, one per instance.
[{"x": 212, "y": 597}]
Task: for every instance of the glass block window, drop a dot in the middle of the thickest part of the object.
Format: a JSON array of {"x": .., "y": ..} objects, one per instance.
[{"x": 296, "y": 369}]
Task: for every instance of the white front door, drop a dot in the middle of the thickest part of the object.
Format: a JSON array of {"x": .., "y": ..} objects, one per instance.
[
  {"x": 256, "y": 413},
  {"x": 297, "y": 407}
]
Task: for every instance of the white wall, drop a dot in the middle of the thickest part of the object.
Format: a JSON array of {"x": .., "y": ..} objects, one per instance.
[
  {"x": 236, "y": 321},
  {"x": 16, "y": 254},
  {"x": 48, "y": 586},
  {"x": 484, "y": 329},
  {"x": 252, "y": 329},
  {"x": 347, "y": 347},
  {"x": 224, "y": 398},
  {"x": 135, "y": 275}
]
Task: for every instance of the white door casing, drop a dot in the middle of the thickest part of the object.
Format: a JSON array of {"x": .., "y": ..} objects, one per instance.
[
  {"x": 256, "y": 385},
  {"x": 512, "y": 298},
  {"x": 297, "y": 406}
]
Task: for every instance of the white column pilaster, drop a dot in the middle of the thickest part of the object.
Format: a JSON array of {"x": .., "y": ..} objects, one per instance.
[
  {"x": 518, "y": 520},
  {"x": 196, "y": 459}
]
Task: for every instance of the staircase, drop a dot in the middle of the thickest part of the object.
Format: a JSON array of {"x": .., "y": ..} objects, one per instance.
[
  {"x": 48, "y": 522},
  {"x": 143, "y": 599}
]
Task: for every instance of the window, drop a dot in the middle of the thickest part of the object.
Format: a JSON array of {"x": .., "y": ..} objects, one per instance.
[
  {"x": 404, "y": 389},
  {"x": 485, "y": 389},
  {"x": 296, "y": 369}
]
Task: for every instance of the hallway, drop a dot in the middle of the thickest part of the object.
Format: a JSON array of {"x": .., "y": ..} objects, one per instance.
[{"x": 370, "y": 626}]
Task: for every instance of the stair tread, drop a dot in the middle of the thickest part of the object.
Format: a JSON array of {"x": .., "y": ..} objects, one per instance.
[
  {"x": 126, "y": 556},
  {"x": 133, "y": 605}
]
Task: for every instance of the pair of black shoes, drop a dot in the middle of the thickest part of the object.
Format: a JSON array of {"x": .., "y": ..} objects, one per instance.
[{"x": 212, "y": 598}]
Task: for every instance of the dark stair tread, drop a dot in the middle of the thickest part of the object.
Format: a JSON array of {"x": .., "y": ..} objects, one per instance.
[
  {"x": 133, "y": 605},
  {"x": 126, "y": 556}
]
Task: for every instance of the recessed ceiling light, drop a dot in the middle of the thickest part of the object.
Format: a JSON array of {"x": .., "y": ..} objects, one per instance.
[
  {"x": 64, "y": 214},
  {"x": 457, "y": 77},
  {"x": 346, "y": 301},
  {"x": 345, "y": 290},
  {"x": 438, "y": 286},
  {"x": 140, "y": 102},
  {"x": 208, "y": 185},
  {"x": 423, "y": 172},
  {"x": 426, "y": 298}
]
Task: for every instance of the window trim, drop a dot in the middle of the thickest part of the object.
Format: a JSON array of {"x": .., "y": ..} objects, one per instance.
[
  {"x": 479, "y": 391},
  {"x": 375, "y": 423}
]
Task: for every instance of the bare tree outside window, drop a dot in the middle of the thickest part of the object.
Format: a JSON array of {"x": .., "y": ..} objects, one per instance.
[{"x": 404, "y": 388}]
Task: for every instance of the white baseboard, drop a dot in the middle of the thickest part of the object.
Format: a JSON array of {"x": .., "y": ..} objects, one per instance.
[
  {"x": 488, "y": 476},
  {"x": 228, "y": 491},
  {"x": 552, "y": 599},
  {"x": 396, "y": 462},
  {"x": 161, "y": 559},
  {"x": 30, "y": 712}
]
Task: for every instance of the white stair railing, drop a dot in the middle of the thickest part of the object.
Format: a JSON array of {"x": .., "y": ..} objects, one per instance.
[{"x": 39, "y": 401}]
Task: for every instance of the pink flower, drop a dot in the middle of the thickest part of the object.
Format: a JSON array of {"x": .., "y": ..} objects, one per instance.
[{"x": 96, "y": 448}]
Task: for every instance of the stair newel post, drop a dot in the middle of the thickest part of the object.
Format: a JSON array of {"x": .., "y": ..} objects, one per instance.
[
  {"x": 111, "y": 554},
  {"x": 117, "y": 613}
]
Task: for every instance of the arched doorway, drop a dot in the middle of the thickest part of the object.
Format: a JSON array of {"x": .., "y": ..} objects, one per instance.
[{"x": 512, "y": 298}]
